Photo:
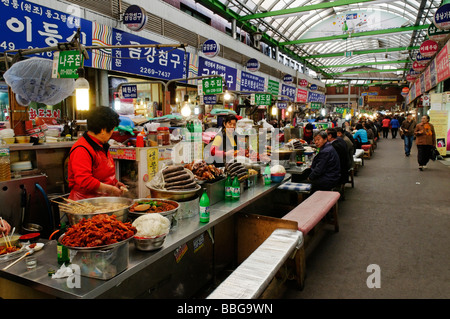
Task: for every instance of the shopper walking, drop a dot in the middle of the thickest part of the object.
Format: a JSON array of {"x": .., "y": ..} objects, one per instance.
[
  {"x": 394, "y": 127},
  {"x": 407, "y": 132},
  {"x": 385, "y": 123},
  {"x": 425, "y": 140}
]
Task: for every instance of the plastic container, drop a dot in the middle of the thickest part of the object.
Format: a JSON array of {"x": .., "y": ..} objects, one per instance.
[
  {"x": 204, "y": 208},
  {"x": 163, "y": 136}
]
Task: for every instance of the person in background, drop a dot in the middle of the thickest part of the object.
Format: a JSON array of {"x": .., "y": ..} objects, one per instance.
[
  {"x": 308, "y": 134},
  {"x": 360, "y": 136},
  {"x": 350, "y": 147},
  {"x": 385, "y": 124},
  {"x": 91, "y": 168},
  {"x": 347, "y": 127},
  {"x": 394, "y": 127},
  {"x": 425, "y": 140},
  {"x": 341, "y": 149},
  {"x": 221, "y": 147},
  {"x": 407, "y": 131},
  {"x": 325, "y": 168}
]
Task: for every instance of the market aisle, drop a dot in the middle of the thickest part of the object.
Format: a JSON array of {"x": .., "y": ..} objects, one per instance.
[{"x": 396, "y": 217}]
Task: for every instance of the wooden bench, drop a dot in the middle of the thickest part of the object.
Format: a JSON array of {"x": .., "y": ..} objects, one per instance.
[{"x": 252, "y": 277}]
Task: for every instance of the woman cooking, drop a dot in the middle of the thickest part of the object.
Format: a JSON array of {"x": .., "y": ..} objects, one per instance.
[
  {"x": 91, "y": 169},
  {"x": 225, "y": 144}
]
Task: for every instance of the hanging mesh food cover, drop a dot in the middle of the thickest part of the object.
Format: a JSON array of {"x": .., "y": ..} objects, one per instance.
[{"x": 31, "y": 80}]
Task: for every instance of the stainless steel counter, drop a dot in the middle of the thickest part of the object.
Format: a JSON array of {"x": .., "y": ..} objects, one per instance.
[
  {"x": 184, "y": 231},
  {"x": 31, "y": 147}
]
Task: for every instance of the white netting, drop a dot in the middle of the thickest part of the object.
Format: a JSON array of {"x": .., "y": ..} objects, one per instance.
[{"x": 31, "y": 80}]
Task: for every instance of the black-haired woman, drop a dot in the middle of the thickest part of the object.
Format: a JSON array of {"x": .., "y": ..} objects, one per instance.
[
  {"x": 225, "y": 144},
  {"x": 91, "y": 169}
]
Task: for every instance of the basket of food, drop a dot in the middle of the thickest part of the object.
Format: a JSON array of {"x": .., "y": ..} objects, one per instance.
[
  {"x": 144, "y": 206},
  {"x": 87, "y": 208},
  {"x": 174, "y": 182},
  {"x": 152, "y": 230}
]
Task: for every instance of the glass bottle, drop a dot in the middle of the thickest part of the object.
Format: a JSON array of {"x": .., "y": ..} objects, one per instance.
[
  {"x": 228, "y": 188},
  {"x": 236, "y": 187},
  {"x": 204, "y": 208},
  {"x": 62, "y": 251}
]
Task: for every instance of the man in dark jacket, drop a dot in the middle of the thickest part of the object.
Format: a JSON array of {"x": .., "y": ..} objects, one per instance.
[
  {"x": 325, "y": 168},
  {"x": 341, "y": 149}
]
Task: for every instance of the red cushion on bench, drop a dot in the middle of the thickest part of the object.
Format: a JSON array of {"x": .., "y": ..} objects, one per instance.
[
  {"x": 366, "y": 147},
  {"x": 309, "y": 212}
]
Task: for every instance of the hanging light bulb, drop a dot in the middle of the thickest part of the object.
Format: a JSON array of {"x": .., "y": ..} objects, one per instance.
[
  {"x": 323, "y": 112},
  {"x": 274, "y": 110},
  {"x": 290, "y": 108},
  {"x": 117, "y": 104},
  {"x": 82, "y": 91},
  {"x": 227, "y": 96},
  {"x": 186, "y": 108}
]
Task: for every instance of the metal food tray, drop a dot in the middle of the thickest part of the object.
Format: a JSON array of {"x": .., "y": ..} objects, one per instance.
[{"x": 104, "y": 247}]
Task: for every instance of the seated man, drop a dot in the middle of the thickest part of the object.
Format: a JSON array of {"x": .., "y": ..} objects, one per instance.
[
  {"x": 325, "y": 167},
  {"x": 341, "y": 148}
]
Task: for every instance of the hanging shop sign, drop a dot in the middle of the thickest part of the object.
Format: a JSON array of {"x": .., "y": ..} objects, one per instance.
[
  {"x": 316, "y": 105},
  {"x": 410, "y": 78},
  {"x": 29, "y": 25},
  {"x": 210, "y": 48},
  {"x": 212, "y": 86},
  {"x": 209, "y": 67},
  {"x": 209, "y": 99},
  {"x": 288, "y": 79},
  {"x": 160, "y": 63},
  {"x": 436, "y": 34},
  {"x": 282, "y": 105},
  {"x": 66, "y": 64},
  {"x": 316, "y": 97},
  {"x": 442, "y": 17},
  {"x": 261, "y": 99},
  {"x": 313, "y": 87},
  {"x": 303, "y": 83},
  {"x": 252, "y": 65},
  {"x": 405, "y": 91},
  {"x": 128, "y": 91},
  {"x": 428, "y": 48},
  {"x": 135, "y": 18},
  {"x": 413, "y": 73},
  {"x": 302, "y": 96},
  {"x": 422, "y": 59},
  {"x": 273, "y": 87},
  {"x": 43, "y": 113},
  {"x": 442, "y": 64},
  {"x": 251, "y": 82},
  {"x": 289, "y": 91},
  {"x": 418, "y": 67}
]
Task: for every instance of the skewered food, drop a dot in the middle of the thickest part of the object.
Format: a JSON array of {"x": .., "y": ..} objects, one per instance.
[
  {"x": 100, "y": 230},
  {"x": 75, "y": 207}
]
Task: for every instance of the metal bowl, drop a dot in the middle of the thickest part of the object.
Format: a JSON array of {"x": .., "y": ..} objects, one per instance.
[
  {"x": 168, "y": 214},
  {"x": 149, "y": 243},
  {"x": 104, "y": 247},
  {"x": 121, "y": 214},
  {"x": 283, "y": 155},
  {"x": 173, "y": 195}
]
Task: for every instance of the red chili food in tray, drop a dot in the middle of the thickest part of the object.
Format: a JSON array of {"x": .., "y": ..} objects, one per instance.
[
  {"x": 100, "y": 230},
  {"x": 151, "y": 206}
]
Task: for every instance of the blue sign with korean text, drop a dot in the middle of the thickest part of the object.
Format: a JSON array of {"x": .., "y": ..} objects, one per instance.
[
  {"x": 129, "y": 91},
  {"x": 288, "y": 91},
  {"x": 251, "y": 82},
  {"x": 288, "y": 79},
  {"x": 210, "y": 99},
  {"x": 27, "y": 25},
  {"x": 162, "y": 63},
  {"x": 316, "y": 97},
  {"x": 442, "y": 17},
  {"x": 282, "y": 105},
  {"x": 210, "y": 48},
  {"x": 313, "y": 87},
  {"x": 208, "y": 67},
  {"x": 135, "y": 18},
  {"x": 253, "y": 65}
]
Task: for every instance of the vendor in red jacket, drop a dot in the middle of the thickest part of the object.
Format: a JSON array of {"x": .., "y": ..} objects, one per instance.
[{"x": 91, "y": 169}]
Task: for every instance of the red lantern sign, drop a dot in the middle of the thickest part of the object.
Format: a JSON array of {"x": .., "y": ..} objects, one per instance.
[
  {"x": 405, "y": 90},
  {"x": 428, "y": 48},
  {"x": 303, "y": 83},
  {"x": 418, "y": 67}
]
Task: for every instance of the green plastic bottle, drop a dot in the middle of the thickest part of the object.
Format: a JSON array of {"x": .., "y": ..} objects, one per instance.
[
  {"x": 204, "y": 208},
  {"x": 228, "y": 188},
  {"x": 62, "y": 251},
  {"x": 267, "y": 178},
  {"x": 236, "y": 187}
]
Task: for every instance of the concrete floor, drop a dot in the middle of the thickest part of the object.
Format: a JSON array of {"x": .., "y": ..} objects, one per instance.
[{"x": 396, "y": 217}]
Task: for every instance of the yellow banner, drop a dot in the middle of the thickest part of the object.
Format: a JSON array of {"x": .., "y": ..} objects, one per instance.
[
  {"x": 382, "y": 98},
  {"x": 439, "y": 119}
]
